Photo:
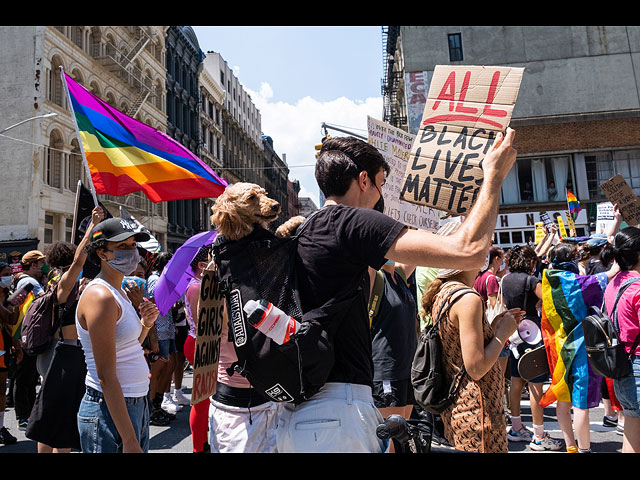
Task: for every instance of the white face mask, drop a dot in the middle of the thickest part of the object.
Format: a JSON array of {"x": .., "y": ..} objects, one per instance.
[{"x": 502, "y": 267}]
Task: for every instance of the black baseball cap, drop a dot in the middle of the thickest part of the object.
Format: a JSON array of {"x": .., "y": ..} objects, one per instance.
[{"x": 117, "y": 229}]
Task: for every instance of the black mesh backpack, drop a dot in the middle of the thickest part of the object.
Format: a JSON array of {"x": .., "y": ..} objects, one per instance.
[{"x": 262, "y": 266}]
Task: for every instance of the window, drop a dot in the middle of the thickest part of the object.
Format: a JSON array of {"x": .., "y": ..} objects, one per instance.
[
  {"x": 48, "y": 228},
  {"x": 601, "y": 166},
  {"x": 455, "y": 47}
]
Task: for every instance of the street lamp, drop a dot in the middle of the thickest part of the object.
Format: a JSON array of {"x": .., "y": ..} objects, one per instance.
[{"x": 46, "y": 115}]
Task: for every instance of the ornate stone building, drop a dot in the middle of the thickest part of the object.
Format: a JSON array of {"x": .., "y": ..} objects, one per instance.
[{"x": 41, "y": 160}]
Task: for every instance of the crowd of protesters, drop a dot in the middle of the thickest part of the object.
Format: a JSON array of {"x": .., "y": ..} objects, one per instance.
[{"x": 127, "y": 360}]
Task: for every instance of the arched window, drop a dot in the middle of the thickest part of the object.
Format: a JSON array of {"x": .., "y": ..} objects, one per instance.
[
  {"x": 56, "y": 89},
  {"x": 74, "y": 166},
  {"x": 52, "y": 174}
]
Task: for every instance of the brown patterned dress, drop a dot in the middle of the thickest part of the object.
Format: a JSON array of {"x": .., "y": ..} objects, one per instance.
[{"x": 475, "y": 422}]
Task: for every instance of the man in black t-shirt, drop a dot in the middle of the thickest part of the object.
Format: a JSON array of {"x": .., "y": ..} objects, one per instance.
[{"x": 341, "y": 241}]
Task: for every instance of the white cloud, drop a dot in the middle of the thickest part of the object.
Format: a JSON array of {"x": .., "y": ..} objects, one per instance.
[{"x": 296, "y": 129}]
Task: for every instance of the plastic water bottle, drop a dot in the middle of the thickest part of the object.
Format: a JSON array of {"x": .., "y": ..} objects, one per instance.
[{"x": 270, "y": 320}]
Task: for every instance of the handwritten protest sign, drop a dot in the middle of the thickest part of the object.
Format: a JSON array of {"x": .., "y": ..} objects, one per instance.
[
  {"x": 394, "y": 145},
  {"x": 539, "y": 232},
  {"x": 618, "y": 191},
  {"x": 605, "y": 217},
  {"x": 208, "y": 331},
  {"x": 466, "y": 108}
]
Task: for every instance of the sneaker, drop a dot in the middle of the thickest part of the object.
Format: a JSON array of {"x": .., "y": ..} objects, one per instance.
[
  {"x": 158, "y": 418},
  {"x": 609, "y": 422},
  {"x": 180, "y": 399},
  {"x": 523, "y": 435},
  {"x": 6, "y": 437},
  {"x": 547, "y": 443},
  {"x": 620, "y": 429},
  {"x": 169, "y": 406},
  {"x": 22, "y": 424}
]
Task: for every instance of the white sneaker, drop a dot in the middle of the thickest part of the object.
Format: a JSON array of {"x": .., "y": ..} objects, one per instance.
[
  {"x": 179, "y": 398},
  {"x": 169, "y": 406}
]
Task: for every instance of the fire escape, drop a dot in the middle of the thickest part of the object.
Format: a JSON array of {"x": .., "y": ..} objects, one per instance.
[
  {"x": 391, "y": 85},
  {"x": 121, "y": 63}
]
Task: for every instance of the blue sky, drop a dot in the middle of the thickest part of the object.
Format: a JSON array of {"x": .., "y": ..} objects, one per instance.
[{"x": 299, "y": 77}]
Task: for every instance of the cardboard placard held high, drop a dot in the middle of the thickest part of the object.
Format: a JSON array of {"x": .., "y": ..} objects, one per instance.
[{"x": 466, "y": 108}]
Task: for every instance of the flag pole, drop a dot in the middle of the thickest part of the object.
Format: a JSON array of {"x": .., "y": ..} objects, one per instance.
[
  {"x": 75, "y": 123},
  {"x": 75, "y": 212}
]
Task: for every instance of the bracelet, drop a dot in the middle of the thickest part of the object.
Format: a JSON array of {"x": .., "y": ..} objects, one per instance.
[
  {"x": 145, "y": 326},
  {"x": 499, "y": 341}
]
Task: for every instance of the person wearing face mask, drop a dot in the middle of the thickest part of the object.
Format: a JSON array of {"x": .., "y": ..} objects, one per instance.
[
  {"x": 338, "y": 244},
  {"x": 34, "y": 271},
  {"x": 53, "y": 422},
  {"x": 114, "y": 413}
]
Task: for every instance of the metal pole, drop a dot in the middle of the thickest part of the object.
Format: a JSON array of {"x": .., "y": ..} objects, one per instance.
[{"x": 73, "y": 117}]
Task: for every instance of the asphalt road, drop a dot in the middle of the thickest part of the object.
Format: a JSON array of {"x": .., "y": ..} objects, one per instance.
[{"x": 176, "y": 437}]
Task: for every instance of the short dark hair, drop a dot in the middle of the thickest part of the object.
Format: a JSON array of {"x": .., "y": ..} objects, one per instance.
[
  {"x": 563, "y": 252},
  {"x": 341, "y": 160},
  {"x": 161, "y": 261},
  {"x": 626, "y": 246},
  {"x": 60, "y": 255},
  {"x": 201, "y": 256},
  {"x": 519, "y": 258},
  {"x": 92, "y": 249}
]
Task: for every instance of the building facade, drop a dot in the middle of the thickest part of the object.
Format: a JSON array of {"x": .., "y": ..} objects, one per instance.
[
  {"x": 576, "y": 115},
  {"x": 242, "y": 147},
  {"x": 41, "y": 160},
  {"x": 183, "y": 66},
  {"x": 275, "y": 176}
]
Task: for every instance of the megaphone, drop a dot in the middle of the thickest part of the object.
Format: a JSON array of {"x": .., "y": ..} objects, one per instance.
[{"x": 527, "y": 332}]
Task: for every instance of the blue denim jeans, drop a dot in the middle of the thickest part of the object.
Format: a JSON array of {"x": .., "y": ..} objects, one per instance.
[
  {"x": 98, "y": 433},
  {"x": 628, "y": 389}
]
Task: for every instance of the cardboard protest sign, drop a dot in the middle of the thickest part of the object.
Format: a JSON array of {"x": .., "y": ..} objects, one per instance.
[
  {"x": 394, "y": 145},
  {"x": 618, "y": 191},
  {"x": 211, "y": 313},
  {"x": 466, "y": 108}
]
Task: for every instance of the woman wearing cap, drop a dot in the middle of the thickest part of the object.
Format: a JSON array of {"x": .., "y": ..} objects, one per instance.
[
  {"x": 114, "y": 413},
  {"x": 475, "y": 422}
]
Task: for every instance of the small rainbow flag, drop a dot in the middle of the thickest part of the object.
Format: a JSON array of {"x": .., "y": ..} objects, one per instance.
[
  {"x": 24, "y": 306},
  {"x": 125, "y": 155},
  {"x": 566, "y": 299},
  {"x": 574, "y": 205}
]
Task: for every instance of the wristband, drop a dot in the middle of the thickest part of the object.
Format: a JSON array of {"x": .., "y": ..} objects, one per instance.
[{"x": 145, "y": 326}]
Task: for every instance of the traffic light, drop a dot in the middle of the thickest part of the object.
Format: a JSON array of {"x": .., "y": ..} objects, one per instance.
[{"x": 319, "y": 145}]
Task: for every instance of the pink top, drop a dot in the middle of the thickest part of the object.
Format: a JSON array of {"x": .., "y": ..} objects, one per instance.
[
  {"x": 226, "y": 359},
  {"x": 486, "y": 284},
  {"x": 628, "y": 308}
]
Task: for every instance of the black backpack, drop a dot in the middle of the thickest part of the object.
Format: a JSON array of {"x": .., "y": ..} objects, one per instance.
[
  {"x": 262, "y": 266},
  {"x": 40, "y": 322},
  {"x": 430, "y": 388},
  {"x": 605, "y": 352}
]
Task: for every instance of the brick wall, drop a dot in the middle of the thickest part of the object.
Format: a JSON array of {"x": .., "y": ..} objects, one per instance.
[{"x": 578, "y": 136}]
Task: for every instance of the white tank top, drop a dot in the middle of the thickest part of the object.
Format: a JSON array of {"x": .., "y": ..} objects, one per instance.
[{"x": 131, "y": 367}]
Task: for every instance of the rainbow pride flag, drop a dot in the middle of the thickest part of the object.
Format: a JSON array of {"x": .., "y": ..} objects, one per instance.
[
  {"x": 24, "y": 306},
  {"x": 125, "y": 155},
  {"x": 574, "y": 205},
  {"x": 566, "y": 299}
]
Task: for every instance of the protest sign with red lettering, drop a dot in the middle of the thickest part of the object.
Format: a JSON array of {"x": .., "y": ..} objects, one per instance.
[
  {"x": 211, "y": 312},
  {"x": 466, "y": 108}
]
